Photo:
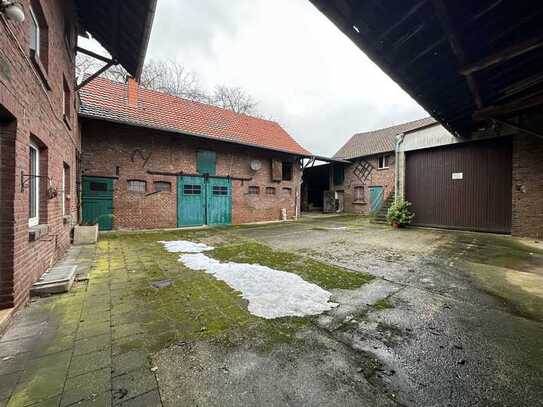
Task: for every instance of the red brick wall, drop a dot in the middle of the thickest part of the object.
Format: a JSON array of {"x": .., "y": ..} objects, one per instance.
[
  {"x": 383, "y": 178},
  {"x": 527, "y": 186},
  {"x": 129, "y": 152},
  {"x": 35, "y": 108}
]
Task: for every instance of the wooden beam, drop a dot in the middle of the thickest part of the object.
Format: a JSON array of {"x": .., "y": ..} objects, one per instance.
[
  {"x": 409, "y": 13},
  {"x": 94, "y": 75},
  {"x": 519, "y": 128},
  {"x": 504, "y": 55},
  {"x": 510, "y": 108},
  {"x": 454, "y": 41},
  {"x": 96, "y": 56}
]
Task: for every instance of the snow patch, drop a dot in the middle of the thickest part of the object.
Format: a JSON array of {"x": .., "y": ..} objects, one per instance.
[
  {"x": 271, "y": 293},
  {"x": 184, "y": 246}
]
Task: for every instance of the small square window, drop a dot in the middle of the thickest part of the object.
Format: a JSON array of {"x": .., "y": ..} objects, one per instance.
[
  {"x": 254, "y": 190},
  {"x": 287, "y": 191},
  {"x": 383, "y": 162},
  {"x": 162, "y": 186},
  {"x": 270, "y": 191},
  {"x": 137, "y": 186}
]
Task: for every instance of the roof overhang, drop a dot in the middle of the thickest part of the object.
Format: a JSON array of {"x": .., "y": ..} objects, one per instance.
[
  {"x": 122, "y": 27},
  {"x": 185, "y": 133},
  {"x": 464, "y": 61}
]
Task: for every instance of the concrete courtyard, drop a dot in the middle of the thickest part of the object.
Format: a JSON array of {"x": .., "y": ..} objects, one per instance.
[{"x": 425, "y": 318}]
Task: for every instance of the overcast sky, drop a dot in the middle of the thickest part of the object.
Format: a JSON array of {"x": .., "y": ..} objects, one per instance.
[{"x": 304, "y": 72}]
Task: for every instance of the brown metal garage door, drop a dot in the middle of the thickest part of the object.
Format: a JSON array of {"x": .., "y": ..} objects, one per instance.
[{"x": 464, "y": 186}]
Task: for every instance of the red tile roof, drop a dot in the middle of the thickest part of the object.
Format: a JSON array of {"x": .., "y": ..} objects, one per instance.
[{"x": 103, "y": 99}]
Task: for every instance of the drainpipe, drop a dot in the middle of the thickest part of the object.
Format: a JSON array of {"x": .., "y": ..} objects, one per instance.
[{"x": 399, "y": 140}]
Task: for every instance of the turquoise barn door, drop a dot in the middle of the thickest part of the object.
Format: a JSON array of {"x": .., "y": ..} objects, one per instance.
[
  {"x": 376, "y": 199},
  {"x": 219, "y": 201},
  {"x": 191, "y": 201}
]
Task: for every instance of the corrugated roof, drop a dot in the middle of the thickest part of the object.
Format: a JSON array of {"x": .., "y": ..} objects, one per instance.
[
  {"x": 103, "y": 99},
  {"x": 378, "y": 141}
]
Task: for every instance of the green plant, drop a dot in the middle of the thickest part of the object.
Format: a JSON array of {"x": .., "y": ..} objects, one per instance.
[{"x": 399, "y": 213}]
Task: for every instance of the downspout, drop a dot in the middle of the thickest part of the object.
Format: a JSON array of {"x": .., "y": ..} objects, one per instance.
[{"x": 399, "y": 141}]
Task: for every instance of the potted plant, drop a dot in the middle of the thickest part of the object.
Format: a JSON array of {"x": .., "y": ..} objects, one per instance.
[
  {"x": 85, "y": 233},
  {"x": 399, "y": 215}
]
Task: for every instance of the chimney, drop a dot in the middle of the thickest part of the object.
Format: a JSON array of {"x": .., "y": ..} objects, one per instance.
[{"x": 132, "y": 92}]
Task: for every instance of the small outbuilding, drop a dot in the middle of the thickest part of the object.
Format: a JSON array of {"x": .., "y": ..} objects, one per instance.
[{"x": 152, "y": 160}]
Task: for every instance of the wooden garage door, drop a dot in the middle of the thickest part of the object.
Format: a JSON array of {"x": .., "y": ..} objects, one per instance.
[{"x": 464, "y": 186}]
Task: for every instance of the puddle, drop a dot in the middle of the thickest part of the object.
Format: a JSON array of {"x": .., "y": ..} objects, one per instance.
[{"x": 271, "y": 293}]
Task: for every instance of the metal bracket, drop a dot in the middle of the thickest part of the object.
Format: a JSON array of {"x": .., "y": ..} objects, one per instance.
[
  {"x": 28, "y": 177},
  {"x": 109, "y": 64}
]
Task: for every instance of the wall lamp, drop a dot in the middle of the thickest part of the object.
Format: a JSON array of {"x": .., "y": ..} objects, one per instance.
[{"x": 12, "y": 10}]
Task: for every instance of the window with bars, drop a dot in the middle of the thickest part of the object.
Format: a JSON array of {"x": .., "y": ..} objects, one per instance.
[
  {"x": 220, "y": 190},
  {"x": 135, "y": 185},
  {"x": 162, "y": 186},
  {"x": 287, "y": 191},
  {"x": 270, "y": 191},
  {"x": 254, "y": 190},
  {"x": 190, "y": 189}
]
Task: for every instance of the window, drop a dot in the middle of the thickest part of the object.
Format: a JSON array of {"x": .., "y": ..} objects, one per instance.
[
  {"x": 66, "y": 98},
  {"x": 220, "y": 190},
  {"x": 162, "y": 186},
  {"x": 359, "y": 194},
  {"x": 270, "y": 191},
  {"x": 137, "y": 186},
  {"x": 192, "y": 189},
  {"x": 98, "y": 186},
  {"x": 287, "y": 191},
  {"x": 66, "y": 190},
  {"x": 339, "y": 174},
  {"x": 34, "y": 185},
  {"x": 254, "y": 190},
  {"x": 287, "y": 171},
  {"x": 35, "y": 33},
  {"x": 383, "y": 162},
  {"x": 39, "y": 40}
]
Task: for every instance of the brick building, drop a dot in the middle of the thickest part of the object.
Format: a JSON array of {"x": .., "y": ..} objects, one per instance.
[
  {"x": 166, "y": 162},
  {"x": 363, "y": 177},
  {"x": 39, "y": 131}
]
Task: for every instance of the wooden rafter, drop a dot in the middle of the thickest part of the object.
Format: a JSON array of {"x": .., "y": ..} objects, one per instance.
[
  {"x": 456, "y": 46},
  {"x": 400, "y": 21},
  {"x": 526, "y": 102},
  {"x": 519, "y": 128},
  {"x": 504, "y": 55}
]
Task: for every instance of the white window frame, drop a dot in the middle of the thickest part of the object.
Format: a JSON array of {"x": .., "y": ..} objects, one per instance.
[
  {"x": 34, "y": 20},
  {"x": 65, "y": 168},
  {"x": 33, "y": 221},
  {"x": 385, "y": 162}
]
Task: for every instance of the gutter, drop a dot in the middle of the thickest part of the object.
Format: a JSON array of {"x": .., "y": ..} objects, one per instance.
[{"x": 399, "y": 141}]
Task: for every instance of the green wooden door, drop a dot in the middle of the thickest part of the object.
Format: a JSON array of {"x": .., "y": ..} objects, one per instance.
[
  {"x": 219, "y": 201},
  {"x": 190, "y": 201},
  {"x": 376, "y": 199},
  {"x": 97, "y": 201}
]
